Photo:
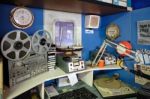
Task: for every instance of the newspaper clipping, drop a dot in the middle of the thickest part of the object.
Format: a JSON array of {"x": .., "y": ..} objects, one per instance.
[{"x": 143, "y": 32}]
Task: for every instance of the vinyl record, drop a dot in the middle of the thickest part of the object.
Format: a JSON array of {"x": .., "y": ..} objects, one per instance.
[{"x": 108, "y": 83}]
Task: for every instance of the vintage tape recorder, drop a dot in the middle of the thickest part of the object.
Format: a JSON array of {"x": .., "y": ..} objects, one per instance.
[
  {"x": 70, "y": 63},
  {"x": 26, "y": 57}
]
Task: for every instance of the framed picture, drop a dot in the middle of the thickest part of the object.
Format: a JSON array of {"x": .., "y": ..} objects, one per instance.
[{"x": 143, "y": 30}]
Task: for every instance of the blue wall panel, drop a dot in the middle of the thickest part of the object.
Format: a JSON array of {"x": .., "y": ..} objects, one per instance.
[
  {"x": 137, "y": 4},
  {"x": 123, "y": 21},
  {"x": 128, "y": 29},
  {"x": 6, "y": 26},
  {"x": 139, "y": 15},
  {"x": 90, "y": 41}
]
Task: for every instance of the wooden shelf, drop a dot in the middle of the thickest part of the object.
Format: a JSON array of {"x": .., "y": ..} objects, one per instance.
[
  {"x": 39, "y": 79},
  {"x": 74, "y": 6}
]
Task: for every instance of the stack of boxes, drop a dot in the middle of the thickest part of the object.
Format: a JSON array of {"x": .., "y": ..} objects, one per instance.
[
  {"x": 116, "y": 2},
  {"x": 120, "y": 2},
  {"x": 107, "y": 1}
]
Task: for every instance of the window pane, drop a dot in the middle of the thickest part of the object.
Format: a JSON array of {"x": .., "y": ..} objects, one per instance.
[{"x": 64, "y": 34}]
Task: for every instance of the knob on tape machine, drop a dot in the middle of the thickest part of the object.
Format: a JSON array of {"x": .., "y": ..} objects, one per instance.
[
  {"x": 16, "y": 45},
  {"x": 41, "y": 41}
]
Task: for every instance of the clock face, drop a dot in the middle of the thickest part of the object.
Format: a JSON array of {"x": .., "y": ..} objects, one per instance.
[
  {"x": 112, "y": 31},
  {"x": 21, "y": 17}
]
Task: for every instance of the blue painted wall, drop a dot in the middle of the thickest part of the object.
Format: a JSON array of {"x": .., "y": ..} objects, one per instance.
[
  {"x": 128, "y": 29},
  {"x": 128, "y": 26},
  {"x": 90, "y": 41},
  {"x": 6, "y": 26},
  {"x": 137, "y": 4}
]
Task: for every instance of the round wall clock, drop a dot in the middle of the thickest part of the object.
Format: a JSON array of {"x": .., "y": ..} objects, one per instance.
[
  {"x": 21, "y": 17},
  {"x": 112, "y": 32}
]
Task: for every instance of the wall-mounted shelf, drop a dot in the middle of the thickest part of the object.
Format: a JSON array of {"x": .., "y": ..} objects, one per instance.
[
  {"x": 54, "y": 74},
  {"x": 74, "y": 6}
]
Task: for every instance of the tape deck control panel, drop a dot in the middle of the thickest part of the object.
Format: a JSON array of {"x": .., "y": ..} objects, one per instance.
[{"x": 33, "y": 65}]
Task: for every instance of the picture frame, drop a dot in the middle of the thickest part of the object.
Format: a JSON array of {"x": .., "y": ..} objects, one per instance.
[{"x": 143, "y": 32}]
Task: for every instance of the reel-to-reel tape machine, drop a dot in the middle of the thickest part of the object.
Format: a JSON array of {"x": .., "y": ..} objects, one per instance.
[{"x": 26, "y": 56}]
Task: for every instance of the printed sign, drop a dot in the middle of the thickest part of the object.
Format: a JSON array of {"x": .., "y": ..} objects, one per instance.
[{"x": 143, "y": 32}]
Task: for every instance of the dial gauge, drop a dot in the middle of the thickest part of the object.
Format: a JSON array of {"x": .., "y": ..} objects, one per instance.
[
  {"x": 21, "y": 17},
  {"x": 112, "y": 31}
]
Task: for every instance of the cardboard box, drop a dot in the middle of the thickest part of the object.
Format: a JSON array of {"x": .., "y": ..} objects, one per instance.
[
  {"x": 107, "y": 1},
  {"x": 116, "y": 2},
  {"x": 123, "y": 0},
  {"x": 120, "y": 2},
  {"x": 51, "y": 91}
]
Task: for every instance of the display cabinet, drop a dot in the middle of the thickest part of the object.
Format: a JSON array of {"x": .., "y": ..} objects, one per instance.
[{"x": 73, "y": 6}]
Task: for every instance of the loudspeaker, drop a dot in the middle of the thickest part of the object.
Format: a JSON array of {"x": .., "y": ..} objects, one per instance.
[{"x": 92, "y": 21}]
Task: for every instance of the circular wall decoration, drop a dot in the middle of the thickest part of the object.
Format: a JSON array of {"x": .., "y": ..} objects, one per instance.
[
  {"x": 112, "y": 32},
  {"x": 21, "y": 17}
]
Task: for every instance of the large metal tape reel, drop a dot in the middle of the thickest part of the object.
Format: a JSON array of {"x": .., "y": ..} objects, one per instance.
[
  {"x": 41, "y": 41},
  {"x": 16, "y": 45}
]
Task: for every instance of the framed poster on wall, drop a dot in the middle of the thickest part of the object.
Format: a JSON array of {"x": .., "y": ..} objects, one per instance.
[{"x": 143, "y": 30}]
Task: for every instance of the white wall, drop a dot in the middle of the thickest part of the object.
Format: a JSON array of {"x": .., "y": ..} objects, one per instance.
[{"x": 50, "y": 17}]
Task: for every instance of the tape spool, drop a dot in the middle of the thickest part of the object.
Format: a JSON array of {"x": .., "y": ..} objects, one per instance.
[
  {"x": 16, "y": 45},
  {"x": 41, "y": 42}
]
